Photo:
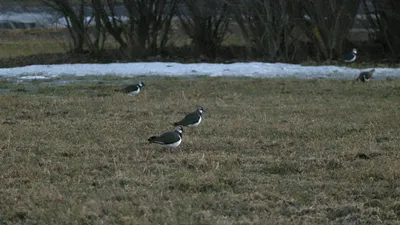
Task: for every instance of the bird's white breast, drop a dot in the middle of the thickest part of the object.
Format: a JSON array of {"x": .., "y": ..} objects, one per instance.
[
  {"x": 134, "y": 92},
  {"x": 173, "y": 145}
]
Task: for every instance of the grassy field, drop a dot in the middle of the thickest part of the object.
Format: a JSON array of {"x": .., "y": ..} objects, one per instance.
[
  {"x": 14, "y": 43},
  {"x": 269, "y": 151}
]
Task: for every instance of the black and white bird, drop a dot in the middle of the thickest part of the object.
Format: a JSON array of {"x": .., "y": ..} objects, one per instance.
[
  {"x": 350, "y": 56},
  {"x": 133, "y": 89},
  {"x": 192, "y": 119},
  {"x": 170, "y": 139},
  {"x": 365, "y": 75}
]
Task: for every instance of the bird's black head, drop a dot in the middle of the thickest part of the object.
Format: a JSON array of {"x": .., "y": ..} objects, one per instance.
[
  {"x": 179, "y": 129},
  {"x": 141, "y": 84},
  {"x": 200, "y": 109}
]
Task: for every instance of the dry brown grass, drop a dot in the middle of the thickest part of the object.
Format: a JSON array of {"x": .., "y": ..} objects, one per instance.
[{"x": 276, "y": 151}]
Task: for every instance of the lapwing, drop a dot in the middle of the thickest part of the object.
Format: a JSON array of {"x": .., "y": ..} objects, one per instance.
[
  {"x": 192, "y": 119},
  {"x": 133, "y": 89},
  {"x": 365, "y": 75},
  {"x": 170, "y": 139},
  {"x": 350, "y": 56}
]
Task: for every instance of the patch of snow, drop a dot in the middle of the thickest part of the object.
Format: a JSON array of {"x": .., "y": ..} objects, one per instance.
[
  {"x": 248, "y": 69},
  {"x": 33, "y": 77}
]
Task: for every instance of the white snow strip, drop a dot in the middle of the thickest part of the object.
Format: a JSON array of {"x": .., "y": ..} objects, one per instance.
[{"x": 251, "y": 69}]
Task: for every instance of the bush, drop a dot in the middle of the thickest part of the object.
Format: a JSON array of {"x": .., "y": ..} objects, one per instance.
[
  {"x": 383, "y": 16},
  {"x": 272, "y": 30},
  {"x": 206, "y": 23},
  {"x": 327, "y": 23},
  {"x": 266, "y": 27}
]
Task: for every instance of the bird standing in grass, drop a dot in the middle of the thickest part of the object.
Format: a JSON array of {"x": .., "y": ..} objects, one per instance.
[
  {"x": 170, "y": 139},
  {"x": 365, "y": 75},
  {"x": 133, "y": 89},
  {"x": 350, "y": 56},
  {"x": 192, "y": 119}
]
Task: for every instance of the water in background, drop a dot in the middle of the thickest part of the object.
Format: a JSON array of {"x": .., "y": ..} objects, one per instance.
[{"x": 25, "y": 17}]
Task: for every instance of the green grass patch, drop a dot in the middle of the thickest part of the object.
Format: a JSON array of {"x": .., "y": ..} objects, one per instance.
[
  {"x": 10, "y": 49},
  {"x": 284, "y": 151}
]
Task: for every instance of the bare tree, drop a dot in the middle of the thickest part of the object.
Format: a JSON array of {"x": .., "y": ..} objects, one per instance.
[
  {"x": 384, "y": 18},
  {"x": 99, "y": 33},
  {"x": 110, "y": 21},
  {"x": 78, "y": 27},
  {"x": 206, "y": 23},
  {"x": 328, "y": 23},
  {"x": 74, "y": 20},
  {"x": 146, "y": 31},
  {"x": 150, "y": 23},
  {"x": 266, "y": 26}
]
